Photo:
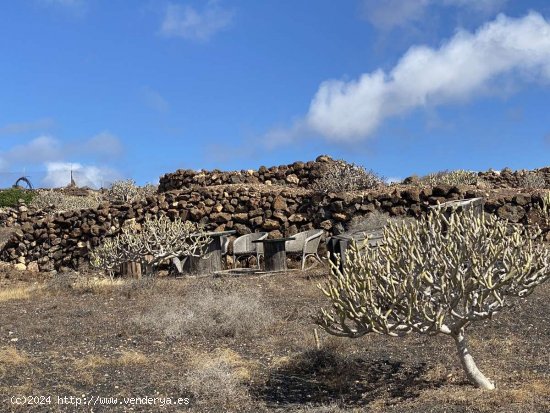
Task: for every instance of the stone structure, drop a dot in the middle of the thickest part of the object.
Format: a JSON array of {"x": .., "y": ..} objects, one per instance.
[
  {"x": 52, "y": 241},
  {"x": 296, "y": 175}
]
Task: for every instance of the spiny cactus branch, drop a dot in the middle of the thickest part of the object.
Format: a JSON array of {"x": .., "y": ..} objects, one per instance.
[{"x": 435, "y": 275}]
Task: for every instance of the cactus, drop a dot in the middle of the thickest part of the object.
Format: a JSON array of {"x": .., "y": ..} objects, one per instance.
[
  {"x": 343, "y": 176},
  {"x": 457, "y": 177},
  {"x": 434, "y": 276},
  {"x": 154, "y": 241}
]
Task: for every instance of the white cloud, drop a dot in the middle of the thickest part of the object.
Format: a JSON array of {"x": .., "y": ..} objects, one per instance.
[
  {"x": 52, "y": 154},
  {"x": 59, "y": 174},
  {"x": 49, "y": 149},
  {"x": 187, "y": 22},
  {"x": 467, "y": 65},
  {"x": 23, "y": 127},
  {"x": 389, "y": 14},
  {"x": 392, "y": 13},
  {"x": 103, "y": 145},
  {"x": 41, "y": 149}
]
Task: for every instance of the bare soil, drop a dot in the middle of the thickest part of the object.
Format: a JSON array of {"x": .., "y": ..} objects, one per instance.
[{"x": 76, "y": 335}]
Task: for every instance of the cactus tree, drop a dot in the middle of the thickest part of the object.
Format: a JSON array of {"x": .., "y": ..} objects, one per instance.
[
  {"x": 154, "y": 241},
  {"x": 435, "y": 275}
]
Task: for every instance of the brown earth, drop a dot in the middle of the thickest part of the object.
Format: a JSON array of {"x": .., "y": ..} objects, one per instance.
[{"x": 247, "y": 344}]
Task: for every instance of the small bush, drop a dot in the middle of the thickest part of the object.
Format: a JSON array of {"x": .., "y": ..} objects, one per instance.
[
  {"x": 533, "y": 180},
  {"x": 210, "y": 313},
  {"x": 10, "y": 197},
  {"x": 374, "y": 221},
  {"x": 63, "y": 202},
  {"x": 458, "y": 177},
  {"x": 216, "y": 386},
  {"x": 128, "y": 191},
  {"x": 343, "y": 176}
]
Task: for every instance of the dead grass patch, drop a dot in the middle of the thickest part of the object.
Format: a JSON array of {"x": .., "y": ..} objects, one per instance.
[
  {"x": 219, "y": 380},
  {"x": 131, "y": 357},
  {"x": 534, "y": 392},
  {"x": 211, "y": 312},
  {"x": 11, "y": 358},
  {"x": 17, "y": 293},
  {"x": 91, "y": 362},
  {"x": 92, "y": 284}
]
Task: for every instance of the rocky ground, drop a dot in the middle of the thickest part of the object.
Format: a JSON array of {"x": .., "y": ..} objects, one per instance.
[{"x": 247, "y": 344}]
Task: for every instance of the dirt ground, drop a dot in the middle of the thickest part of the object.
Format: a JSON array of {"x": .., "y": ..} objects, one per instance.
[{"x": 245, "y": 344}]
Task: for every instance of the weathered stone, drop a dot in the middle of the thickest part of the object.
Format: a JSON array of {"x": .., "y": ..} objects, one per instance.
[
  {"x": 512, "y": 213},
  {"x": 522, "y": 199},
  {"x": 398, "y": 211},
  {"x": 326, "y": 225},
  {"x": 441, "y": 190},
  {"x": 337, "y": 206},
  {"x": 293, "y": 179},
  {"x": 412, "y": 194},
  {"x": 297, "y": 218},
  {"x": 257, "y": 221},
  {"x": 219, "y": 217},
  {"x": 241, "y": 229},
  {"x": 280, "y": 216},
  {"x": 256, "y": 213},
  {"x": 33, "y": 266},
  {"x": 20, "y": 267},
  {"x": 242, "y": 217},
  {"x": 279, "y": 203},
  {"x": 271, "y": 224},
  {"x": 340, "y": 216}
]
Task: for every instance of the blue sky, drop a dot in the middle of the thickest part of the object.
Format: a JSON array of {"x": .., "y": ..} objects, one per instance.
[{"x": 135, "y": 89}]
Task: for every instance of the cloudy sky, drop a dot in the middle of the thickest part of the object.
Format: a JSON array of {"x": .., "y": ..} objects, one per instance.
[{"x": 135, "y": 89}]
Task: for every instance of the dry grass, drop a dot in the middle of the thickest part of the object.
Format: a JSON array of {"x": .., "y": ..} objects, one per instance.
[
  {"x": 534, "y": 392},
  {"x": 96, "y": 284},
  {"x": 11, "y": 358},
  {"x": 131, "y": 357},
  {"x": 219, "y": 379},
  {"x": 17, "y": 293},
  {"x": 255, "y": 350},
  {"x": 209, "y": 312}
]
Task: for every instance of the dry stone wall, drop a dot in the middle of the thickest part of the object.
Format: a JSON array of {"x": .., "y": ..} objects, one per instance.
[
  {"x": 515, "y": 179},
  {"x": 47, "y": 242},
  {"x": 296, "y": 175}
]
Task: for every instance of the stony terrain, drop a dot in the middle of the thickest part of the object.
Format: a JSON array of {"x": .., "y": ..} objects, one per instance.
[
  {"x": 247, "y": 344},
  {"x": 48, "y": 241}
]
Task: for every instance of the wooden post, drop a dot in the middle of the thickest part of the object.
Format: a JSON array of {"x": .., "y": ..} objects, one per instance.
[
  {"x": 275, "y": 256},
  {"x": 209, "y": 262},
  {"x": 131, "y": 269}
]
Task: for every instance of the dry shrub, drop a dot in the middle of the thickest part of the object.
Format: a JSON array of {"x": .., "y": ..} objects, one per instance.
[
  {"x": 64, "y": 202},
  {"x": 210, "y": 312},
  {"x": 76, "y": 283},
  {"x": 10, "y": 357},
  {"x": 91, "y": 362},
  {"x": 16, "y": 293},
  {"x": 128, "y": 191},
  {"x": 131, "y": 357},
  {"x": 217, "y": 383},
  {"x": 458, "y": 177},
  {"x": 376, "y": 220},
  {"x": 533, "y": 180},
  {"x": 343, "y": 176},
  {"x": 329, "y": 408}
]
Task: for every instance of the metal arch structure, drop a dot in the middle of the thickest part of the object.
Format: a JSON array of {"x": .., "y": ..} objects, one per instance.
[{"x": 23, "y": 179}]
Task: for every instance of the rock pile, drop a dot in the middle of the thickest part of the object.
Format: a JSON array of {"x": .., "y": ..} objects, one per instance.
[
  {"x": 51, "y": 241},
  {"x": 296, "y": 175}
]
